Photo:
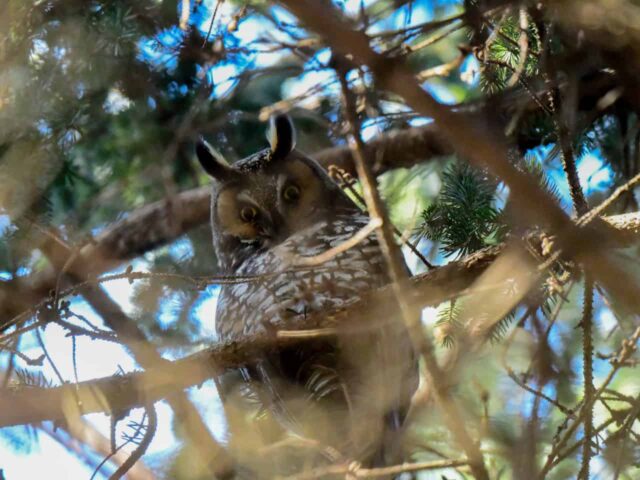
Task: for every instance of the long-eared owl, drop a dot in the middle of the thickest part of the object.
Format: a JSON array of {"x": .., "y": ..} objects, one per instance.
[{"x": 350, "y": 392}]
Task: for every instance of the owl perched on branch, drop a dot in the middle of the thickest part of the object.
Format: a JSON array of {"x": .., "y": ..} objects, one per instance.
[{"x": 350, "y": 392}]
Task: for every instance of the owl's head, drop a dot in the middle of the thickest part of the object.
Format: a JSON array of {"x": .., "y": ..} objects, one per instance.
[{"x": 261, "y": 200}]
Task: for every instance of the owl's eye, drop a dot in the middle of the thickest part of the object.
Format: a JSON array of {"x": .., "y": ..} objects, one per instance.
[
  {"x": 248, "y": 214},
  {"x": 291, "y": 194}
]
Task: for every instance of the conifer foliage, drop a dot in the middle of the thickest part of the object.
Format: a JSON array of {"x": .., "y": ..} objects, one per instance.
[
  {"x": 505, "y": 140},
  {"x": 463, "y": 218}
]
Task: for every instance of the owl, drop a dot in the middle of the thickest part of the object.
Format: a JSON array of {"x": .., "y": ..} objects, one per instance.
[{"x": 349, "y": 392}]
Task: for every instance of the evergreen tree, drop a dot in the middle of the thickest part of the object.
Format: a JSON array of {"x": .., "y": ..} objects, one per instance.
[{"x": 104, "y": 238}]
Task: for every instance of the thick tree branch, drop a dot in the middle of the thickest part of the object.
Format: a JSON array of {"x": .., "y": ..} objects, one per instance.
[
  {"x": 163, "y": 221},
  {"x": 398, "y": 274},
  {"x": 211, "y": 453},
  {"x": 394, "y": 149},
  {"x": 140, "y": 231},
  {"x": 475, "y": 142},
  {"x": 21, "y": 405}
]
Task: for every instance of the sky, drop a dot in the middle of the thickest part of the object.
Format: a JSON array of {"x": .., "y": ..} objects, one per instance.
[{"x": 100, "y": 359}]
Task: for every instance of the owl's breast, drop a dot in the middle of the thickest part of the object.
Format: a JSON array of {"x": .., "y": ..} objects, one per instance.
[{"x": 280, "y": 294}]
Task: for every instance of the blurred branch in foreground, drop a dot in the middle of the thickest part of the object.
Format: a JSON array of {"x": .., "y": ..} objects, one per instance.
[
  {"x": 487, "y": 124},
  {"x": 112, "y": 394}
]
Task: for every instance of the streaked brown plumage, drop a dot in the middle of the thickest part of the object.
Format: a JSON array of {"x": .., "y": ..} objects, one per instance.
[{"x": 350, "y": 392}]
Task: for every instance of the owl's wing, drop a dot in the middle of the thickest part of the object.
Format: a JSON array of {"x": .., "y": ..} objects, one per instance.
[
  {"x": 353, "y": 390},
  {"x": 271, "y": 389}
]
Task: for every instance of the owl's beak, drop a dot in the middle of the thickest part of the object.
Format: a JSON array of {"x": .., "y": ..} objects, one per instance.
[
  {"x": 266, "y": 231},
  {"x": 271, "y": 227},
  {"x": 263, "y": 232}
]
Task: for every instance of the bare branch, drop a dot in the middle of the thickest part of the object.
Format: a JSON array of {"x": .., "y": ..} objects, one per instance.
[
  {"x": 629, "y": 346},
  {"x": 151, "y": 427},
  {"x": 587, "y": 367},
  {"x": 356, "y": 471},
  {"x": 474, "y": 142},
  {"x": 118, "y": 393},
  {"x": 82, "y": 432},
  {"x": 128, "y": 332},
  {"x": 398, "y": 273}
]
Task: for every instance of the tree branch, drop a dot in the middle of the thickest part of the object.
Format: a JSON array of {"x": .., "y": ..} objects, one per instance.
[
  {"x": 81, "y": 433},
  {"x": 144, "y": 352},
  {"x": 587, "y": 367},
  {"x": 474, "y": 142},
  {"x": 163, "y": 221},
  {"x": 20, "y": 405},
  {"x": 398, "y": 274}
]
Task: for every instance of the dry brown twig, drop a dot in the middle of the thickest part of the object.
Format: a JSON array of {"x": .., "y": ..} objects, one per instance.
[
  {"x": 327, "y": 255},
  {"x": 19, "y": 405},
  {"x": 398, "y": 273},
  {"x": 347, "y": 182},
  {"x": 629, "y": 346},
  {"x": 355, "y": 470}
]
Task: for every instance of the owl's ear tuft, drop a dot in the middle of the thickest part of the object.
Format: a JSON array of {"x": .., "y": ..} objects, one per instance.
[
  {"x": 281, "y": 135},
  {"x": 212, "y": 161}
]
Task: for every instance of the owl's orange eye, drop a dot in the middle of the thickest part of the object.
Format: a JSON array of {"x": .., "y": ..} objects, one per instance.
[
  {"x": 248, "y": 214},
  {"x": 291, "y": 194}
]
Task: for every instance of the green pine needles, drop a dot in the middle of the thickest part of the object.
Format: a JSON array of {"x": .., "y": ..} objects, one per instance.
[
  {"x": 464, "y": 218},
  {"x": 448, "y": 323}
]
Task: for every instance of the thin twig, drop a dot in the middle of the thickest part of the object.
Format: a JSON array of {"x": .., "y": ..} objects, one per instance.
[
  {"x": 115, "y": 450},
  {"x": 572, "y": 448},
  {"x": 628, "y": 347},
  {"x": 351, "y": 242},
  {"x": 421, "y": 28},
  {"x": 346, "y": 182},
  {"x": 150, "y": 431},
  {"x": 567, "y": 155},
  {"x": 433, "y": 40},
  {"x": 587, "y": 355},
  {"x": 354, "y": 470},
  {"x": 75, "y": 330},
  {"x": 15, "y": 352},
  {"x": 537, "y": 393},
  {"x": 442, "y": 70},
  {"x": 398, "y": 273},
  {"x": 49, "y": 359},
  {"x": 213, "y": 18},
  {"x": 594, "y": 212}
]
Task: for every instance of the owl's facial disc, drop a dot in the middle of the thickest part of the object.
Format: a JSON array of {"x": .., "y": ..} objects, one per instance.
[
  {"x": 241, "y": 215},
  {"x": 300, "y": 195}
]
